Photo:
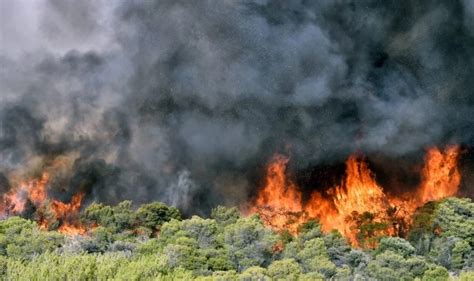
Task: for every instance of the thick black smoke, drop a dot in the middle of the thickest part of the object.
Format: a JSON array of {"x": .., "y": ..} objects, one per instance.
[{"x": 184, "y": 101}]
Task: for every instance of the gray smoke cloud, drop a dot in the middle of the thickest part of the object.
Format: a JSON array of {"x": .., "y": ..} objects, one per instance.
[{"x": 184, "y": 101}]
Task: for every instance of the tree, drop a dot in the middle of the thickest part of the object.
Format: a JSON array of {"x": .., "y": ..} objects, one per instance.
[
  {"x": 337, "y": 247},
  {"x": 314, "y": 258},
  {"x": 194, "y": 244},
  {"x": 153, "y": 215},
  {"x": 451, "y": 217},
  {"x": 286, "y": 269},
  {"x": 116, "y": 219},
  {"x": 309, "y": 230},
  {"x": 119, "y": 247},
  {"x": 369, "y": 228},
  {"x": 225, "y": 216},
  {"x": 249, "y": 243},
  {"x": 436, "y": 273},
  {"x": 460, "y": 254},
  {"x": 396, "y": 245},
  {"x": 393, "y": 266}
]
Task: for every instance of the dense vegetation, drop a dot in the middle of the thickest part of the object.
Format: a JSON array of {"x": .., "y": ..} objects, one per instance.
[{"x": 153, "y": 242}]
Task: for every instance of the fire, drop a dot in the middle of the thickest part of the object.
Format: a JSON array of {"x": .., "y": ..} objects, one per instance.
[
  {"x": 67, "y": 212},
  {"x": 357, "y": 194},
  {"x": 279, "y": 201},
  {"x": 14, "y": 201},
  {"x": 441, "y": 176},
  {"x": 48, "y": 210},
  {"x": 357, "y": 199},
  {"x": 279, "y": 192}
]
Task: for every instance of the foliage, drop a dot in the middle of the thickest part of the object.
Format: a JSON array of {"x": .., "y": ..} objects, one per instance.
[
  {"x": 154, "y": 243},
  {"x": 443, "y": 232},
  {"x": 121, "y": 217},
  {"x": 225, "y": 216},
  {"x": 21, "y": 238},
  {"x": 249, "y": 243},
  {"x": 287, "y": 269}
]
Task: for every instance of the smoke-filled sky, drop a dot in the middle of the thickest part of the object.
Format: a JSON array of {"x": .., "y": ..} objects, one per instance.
[{"x": 183, "y": 101}]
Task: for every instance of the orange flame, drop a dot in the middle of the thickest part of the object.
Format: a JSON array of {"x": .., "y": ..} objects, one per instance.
[
  {"x": 440, "y": 176},
  {"x": 279, "y": 192},
  {"x": 357, "y": 194},
  {"x": 35, "y": 191},
  {"x": 279, "y": 201},
  {"x": 67, "y": 212},
  {"x": 280, "y": 205},
  {"x": 14, "y": 201}
]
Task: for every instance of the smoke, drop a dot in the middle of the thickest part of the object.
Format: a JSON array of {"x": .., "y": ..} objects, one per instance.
[{"x": 183, "y": 101}]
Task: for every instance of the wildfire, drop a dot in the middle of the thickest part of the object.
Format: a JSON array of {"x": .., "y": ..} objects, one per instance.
[
  {"x": 357, "y": 194},
  {"x": 357, "y": 199},
  {"x": 279, "y": 201},
  {"x": 441, "y": 176},
  {"x": 49, "y": 211}
]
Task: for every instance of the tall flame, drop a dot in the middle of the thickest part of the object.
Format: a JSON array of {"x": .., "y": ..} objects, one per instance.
[
  {"x": 358, "y": 193},
  {"x": 279, "y": 192},
  {"x": 440, "y": 176},
  {"x": 280, "y": 202}
]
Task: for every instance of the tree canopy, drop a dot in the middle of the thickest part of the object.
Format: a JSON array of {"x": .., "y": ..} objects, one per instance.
[{"x": 153, "y": 242}]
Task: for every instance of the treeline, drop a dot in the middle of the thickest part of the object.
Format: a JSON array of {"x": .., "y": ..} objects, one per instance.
[{"x": 155, "y": 243}]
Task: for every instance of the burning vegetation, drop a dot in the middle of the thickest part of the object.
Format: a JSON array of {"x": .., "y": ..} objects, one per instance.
[
  {"x": 50, "y": 213},
  {"x": 358, "y": 207}
]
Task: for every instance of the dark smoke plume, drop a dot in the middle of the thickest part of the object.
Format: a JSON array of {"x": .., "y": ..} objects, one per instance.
[{"x": 184, "y": 101}]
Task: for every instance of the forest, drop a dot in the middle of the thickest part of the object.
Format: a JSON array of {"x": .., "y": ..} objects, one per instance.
[{"x": 154, "y": 242}]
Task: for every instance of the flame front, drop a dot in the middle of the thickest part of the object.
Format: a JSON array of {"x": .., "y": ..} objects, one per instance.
[
  {"x": 358, "y": 193},
  {"x": 440, "y": 176},
  {"x": 280, "y": 203},
  {"x": 48, "y": 210}
]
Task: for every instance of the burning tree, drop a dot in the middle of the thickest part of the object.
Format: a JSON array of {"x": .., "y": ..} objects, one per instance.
[{"x": 359, "y": 207}]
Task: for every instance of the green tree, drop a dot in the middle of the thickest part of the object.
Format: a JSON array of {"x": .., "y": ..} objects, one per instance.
[
  {"x": 369, "y": 228},
  {"x": 314, "y": 258},
  {"x": 436, "y": 273},
  {"x": 337, "y": 247},
  {"x": 153, "y": 215},
  {"x": 194, "y": 244},
  {"x": 392, "y": 266},
  {"x": 460, "y": 254},
  {"x": 309, "y": 230},
  {"x": 225, "y": 216},
  {"x": 396, "y": 245},
  {"x": 286, "y": 269},
  {"x": 249, "y": 243},
  {"x": 451, "y": 217}
]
